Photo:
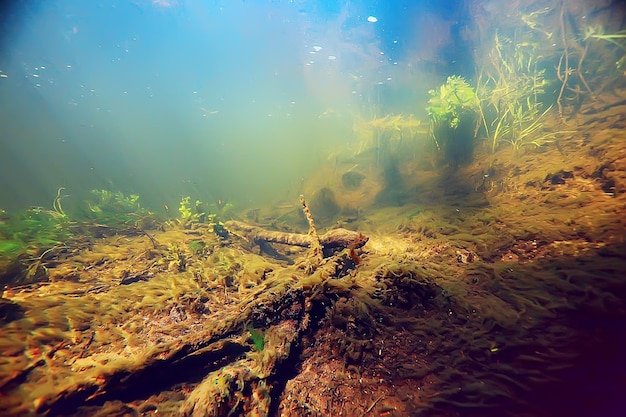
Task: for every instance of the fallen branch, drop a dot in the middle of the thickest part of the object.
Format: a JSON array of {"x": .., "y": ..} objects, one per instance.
[{"x": 335, "y": 239}]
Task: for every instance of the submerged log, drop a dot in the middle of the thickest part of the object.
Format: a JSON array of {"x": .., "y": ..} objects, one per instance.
[{"x": 335, "y": 239}]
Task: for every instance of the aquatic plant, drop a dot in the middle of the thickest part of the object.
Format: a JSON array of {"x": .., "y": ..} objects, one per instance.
[
  {"x": 187, "y": 214},
  {"x": 198, "y": 247},
  {"x": 565, "y": 70},
  {"x": 34, "y": 228},
  {"x": 453, "y": 100},
  {"x": 27, "y": 237},
  {"x": 223, "y": 209},
  {"x": 510, "y": 88},
  {"x": 112, "y": 208},
  {"x": 598, "y": 32},
  {"x": 31, "y": 237},
  {"x": 56, "y": 204},
  {"x": 386, "y": 134},
  {"x": 196, "y": 213},
  {"x": 106, "y": 200},
  {"x": 452, "y": 110},
  {"x": 9, "y": 248},
  {"x": 176, "y": 258},
  {"x": 534, "y": 20}
]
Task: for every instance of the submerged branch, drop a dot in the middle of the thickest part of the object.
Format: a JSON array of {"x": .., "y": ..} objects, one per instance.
[{"x": 333, "y": 239}]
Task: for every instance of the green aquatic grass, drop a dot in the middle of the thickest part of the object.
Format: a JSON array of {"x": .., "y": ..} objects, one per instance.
[
  {"x": 35, "y": 227},
  {"x": 510, "y": 86},
  {"x": 10, "y": 249}
]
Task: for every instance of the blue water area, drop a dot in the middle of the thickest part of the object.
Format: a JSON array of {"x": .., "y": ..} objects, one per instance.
[{"x": 236, "y": 100}]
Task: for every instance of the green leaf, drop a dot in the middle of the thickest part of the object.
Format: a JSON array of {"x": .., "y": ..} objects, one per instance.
[{"x": 258, "y": 339}]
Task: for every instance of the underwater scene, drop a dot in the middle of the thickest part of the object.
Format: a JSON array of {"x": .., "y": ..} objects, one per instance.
[{"x": 313, "y": 208}]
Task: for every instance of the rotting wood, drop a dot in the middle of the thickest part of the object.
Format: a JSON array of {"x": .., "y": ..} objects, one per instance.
[{"x": 335, "y": 239}]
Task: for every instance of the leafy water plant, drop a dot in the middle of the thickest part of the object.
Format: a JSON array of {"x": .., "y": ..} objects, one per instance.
[
  {"x": 196, "y": 213},
  {"x": 452, "y": 101},
  {"x": 184, "y": 208},
  {"x": 106, "y": 200},
  {"x": 193, "y": 213},
  {"x": 198, "y": 247},
  {"x": 452, "y": 110}
]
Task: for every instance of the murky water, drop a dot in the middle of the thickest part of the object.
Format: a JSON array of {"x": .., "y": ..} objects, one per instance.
[{"x": 312, "y": 208}]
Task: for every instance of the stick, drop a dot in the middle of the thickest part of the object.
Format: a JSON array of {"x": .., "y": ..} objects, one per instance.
[{"x": 333, "y": 239}]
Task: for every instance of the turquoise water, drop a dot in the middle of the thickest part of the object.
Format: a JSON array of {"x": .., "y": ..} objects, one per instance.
[{"x": 232, "y": 100}]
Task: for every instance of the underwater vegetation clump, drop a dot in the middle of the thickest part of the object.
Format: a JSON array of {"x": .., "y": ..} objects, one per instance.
[
  {"x": 511, "y": 90},
  {"x": 388, "y": 135},
  {"x": 213, "y": 215},
  {"x": 458, "y": 319},
  {"x": 111, "y": 208},
  {"x": 451, "y": 102},
  {"x": 32, "y": 229},
  {"x": 151, "y": 289},
  {"x": 541, "y": 60},
  {"x": 29, "y": 237},
  {"x": 453, "y": 110},
  {"x": 25, "y": 239}
]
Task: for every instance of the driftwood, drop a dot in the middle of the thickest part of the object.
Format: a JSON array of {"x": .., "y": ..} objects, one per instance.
[{"x": 335, "y": 239}]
